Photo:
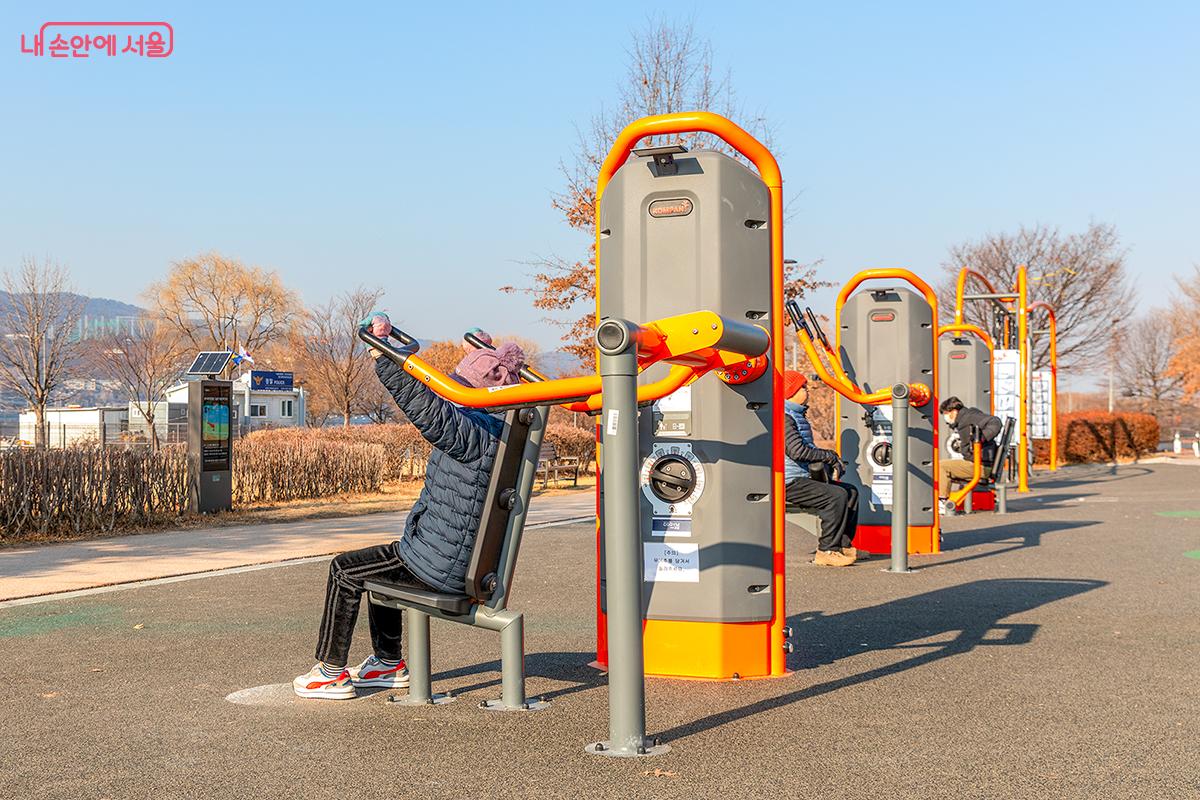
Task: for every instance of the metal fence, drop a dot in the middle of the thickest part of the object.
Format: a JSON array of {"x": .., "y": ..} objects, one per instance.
[{"x": 110, "y": 434}]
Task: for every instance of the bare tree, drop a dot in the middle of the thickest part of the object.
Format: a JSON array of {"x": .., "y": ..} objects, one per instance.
[
  {"x": 218, "y": 302},
  {"x": 335, "y": 364},
  {"x": 146, "y": 361},
  {"x": 1082, "y": 275},
  {"x": 1143, "y": 366},
  {"x": 38, "y": 348},
  {"x": 669, "y": 69}
]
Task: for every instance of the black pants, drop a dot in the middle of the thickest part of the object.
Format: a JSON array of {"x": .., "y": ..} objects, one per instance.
[
  {"x": 831, "y": 503},
  {"x": 343, "y": 594},
  {"x": 850, "y": 524}
]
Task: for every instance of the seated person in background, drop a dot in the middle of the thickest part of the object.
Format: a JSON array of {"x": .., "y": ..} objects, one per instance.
[
  {"x": 961, "y": 420},
  {"x": 439, "y": 534},
  {"x": 835, "y": 504}
]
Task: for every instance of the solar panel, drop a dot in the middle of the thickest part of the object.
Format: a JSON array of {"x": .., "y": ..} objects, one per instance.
[{"x": 210, "y": 362}]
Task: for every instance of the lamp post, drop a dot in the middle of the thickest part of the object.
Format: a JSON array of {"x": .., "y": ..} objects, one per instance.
[{"x": 1112, "y": 360}]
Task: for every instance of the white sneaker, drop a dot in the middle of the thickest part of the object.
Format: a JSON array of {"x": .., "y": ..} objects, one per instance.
[
  {"x": 947, "y": 509},
  {"x": 372, "y": 673},
  {"x": 314, "y": 684}
]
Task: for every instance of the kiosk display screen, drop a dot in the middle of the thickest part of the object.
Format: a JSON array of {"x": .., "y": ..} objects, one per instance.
[{"x": 214, "y": 428}]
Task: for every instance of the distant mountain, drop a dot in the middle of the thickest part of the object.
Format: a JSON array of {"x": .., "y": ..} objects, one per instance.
[{"x": 92, "y": 306}]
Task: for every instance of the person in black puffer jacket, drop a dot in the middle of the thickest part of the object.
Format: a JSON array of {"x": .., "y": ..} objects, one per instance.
[
  {"x": 439, "y": 534},
  {"x": 963, "y": 421}
]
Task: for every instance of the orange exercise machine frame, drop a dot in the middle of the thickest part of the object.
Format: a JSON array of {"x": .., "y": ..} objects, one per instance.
[
  {"x": 673, "y": 648},
  {"x": 983, "y": 500},
  {"x": 921, "y": 539}
]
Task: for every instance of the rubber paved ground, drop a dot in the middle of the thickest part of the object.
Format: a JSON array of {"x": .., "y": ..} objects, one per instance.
[{"x": 1052, "y": 652}]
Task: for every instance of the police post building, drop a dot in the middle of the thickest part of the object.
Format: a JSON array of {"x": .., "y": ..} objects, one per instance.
[{"x": 263, "y": 399}]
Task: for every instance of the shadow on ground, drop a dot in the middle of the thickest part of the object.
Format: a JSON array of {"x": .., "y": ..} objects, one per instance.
[{"x": 969, "y": 614}]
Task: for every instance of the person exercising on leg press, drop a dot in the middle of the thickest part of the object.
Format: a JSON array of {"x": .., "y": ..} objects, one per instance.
[
  {"x": 835, "y": 503},
  {"x": 439, "y": 534},
  {"x": 961, "y": 420}
]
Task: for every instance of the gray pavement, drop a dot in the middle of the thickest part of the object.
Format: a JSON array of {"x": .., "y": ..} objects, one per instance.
[
  {"x": 40, "y": 570},
  {"x": 1052, "y": 652}
]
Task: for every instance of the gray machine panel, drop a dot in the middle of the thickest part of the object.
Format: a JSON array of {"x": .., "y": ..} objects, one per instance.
[
  {"x": 965, "y": 372},
  {"x": 887, "y": 338},
  {"x": 710, "y": 555}
]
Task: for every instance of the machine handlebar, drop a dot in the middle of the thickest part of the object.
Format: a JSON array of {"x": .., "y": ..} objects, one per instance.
[{"x": 817, "y": 327}]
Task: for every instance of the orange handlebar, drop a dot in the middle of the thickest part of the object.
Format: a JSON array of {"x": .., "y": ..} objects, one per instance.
[
  {"x": 958, "y": 497},
  {"x": 884, "y": 273}
]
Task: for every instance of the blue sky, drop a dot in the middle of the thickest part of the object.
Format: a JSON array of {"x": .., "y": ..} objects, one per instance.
[{"x": 417, "y": 149}]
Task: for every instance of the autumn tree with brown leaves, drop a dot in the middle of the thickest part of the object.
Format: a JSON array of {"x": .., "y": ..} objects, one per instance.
[
  {"x": 1081, "y": 274},
  {"x": 1185, "y": 310},
  {"x": 670, "y": 69},
  {"x": 219, "y": 303},
  {"x": 38, "y": 346}
]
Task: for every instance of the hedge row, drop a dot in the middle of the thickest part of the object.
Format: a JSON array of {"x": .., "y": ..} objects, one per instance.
[
  {"x": 1098, "y": 436},
  {"x": 405, "y": 452},
  {"x": 265, "y": 471}
]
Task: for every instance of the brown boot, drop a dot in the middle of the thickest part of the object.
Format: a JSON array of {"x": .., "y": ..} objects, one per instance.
[
  {"x": 856, "y": 554},
  {"x": 832, "y": 558}
]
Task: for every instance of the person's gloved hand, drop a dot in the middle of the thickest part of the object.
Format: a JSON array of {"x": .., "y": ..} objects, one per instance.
[{"x": 379, "y": 323}]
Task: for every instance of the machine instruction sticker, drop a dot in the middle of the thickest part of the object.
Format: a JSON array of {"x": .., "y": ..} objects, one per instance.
[
  {"x": 881, "y": 490},
  {"x": 614, "y": 416},
  {"x": 1041, "y": 388},
  {"x": 1006, "y": 376},
  {"x": 671, "y": 563},
  {"x": 673, "y": 413}
]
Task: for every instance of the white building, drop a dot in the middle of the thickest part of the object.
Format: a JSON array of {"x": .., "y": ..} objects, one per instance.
[
  {"x": 71, "y": 425},
  {"x": 263, "y": 399}
]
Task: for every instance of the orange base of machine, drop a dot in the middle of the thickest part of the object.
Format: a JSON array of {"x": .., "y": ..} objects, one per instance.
[
  {"x": 706, "y": 650},
  {"x": 922, "y": 539},
  {"x": 983, "y": 501}
]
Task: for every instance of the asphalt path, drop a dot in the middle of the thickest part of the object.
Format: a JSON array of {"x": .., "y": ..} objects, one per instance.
[{"x": 1052, "y": 652}]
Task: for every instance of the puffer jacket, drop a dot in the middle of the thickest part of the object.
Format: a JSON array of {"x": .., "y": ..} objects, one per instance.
[
  {"x": 989, "y": 426},
  {"x": 795, "y": 448},
  {"x": 798, "y": 414},
  {"x": 441, "y": 527}
]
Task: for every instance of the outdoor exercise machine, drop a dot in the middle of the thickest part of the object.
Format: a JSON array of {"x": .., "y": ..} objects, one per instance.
[
  {"x": 676, "y": 230},
  {"x": 1011, "y": 361},
  {"x": 965, "y": 372},
  {"x": 884, "y": 352},
  {"x": 699, "y": 342}
]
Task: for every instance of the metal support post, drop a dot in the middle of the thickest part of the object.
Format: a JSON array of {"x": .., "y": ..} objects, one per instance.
[
  {"x": 420, "y": 692},
  {"x": 899, "y": 478},
  {"x": 617, "y": 342},
  {"x": 1001, "y": 497}
]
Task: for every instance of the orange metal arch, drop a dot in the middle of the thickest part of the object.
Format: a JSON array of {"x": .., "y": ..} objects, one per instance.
[
  {"x": 958, "y": 291},
  {"x": 983, "y": 335}
]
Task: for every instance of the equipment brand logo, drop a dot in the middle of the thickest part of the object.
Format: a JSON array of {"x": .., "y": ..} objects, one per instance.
[
  {"x": 83, "y": 39},
  {"x": 671, "y": 208}
]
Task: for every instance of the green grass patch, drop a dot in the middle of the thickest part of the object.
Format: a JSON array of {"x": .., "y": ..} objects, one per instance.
[{"x": 1179, "y": 514}]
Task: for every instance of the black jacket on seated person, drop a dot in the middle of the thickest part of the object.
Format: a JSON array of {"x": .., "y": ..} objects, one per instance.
[
  {"x": 440, "y": 532},
  {"x": 989, "y": 428}
]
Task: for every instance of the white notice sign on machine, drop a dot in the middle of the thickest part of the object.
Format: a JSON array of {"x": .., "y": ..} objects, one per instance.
[
  {"x": 671, "y": 563},
  {"x": 1006, "y": 391},
  {"x": 1041, "y": 387},
  {"x": 881, "y": 489}
]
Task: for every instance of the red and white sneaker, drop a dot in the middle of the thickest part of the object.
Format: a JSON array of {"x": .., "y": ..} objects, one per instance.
[
  {"x": 314, "y": 684},
  {"x": 372, "y": 673}
]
